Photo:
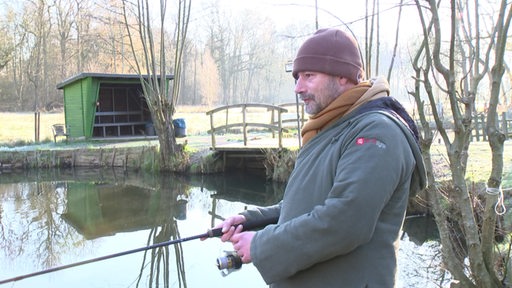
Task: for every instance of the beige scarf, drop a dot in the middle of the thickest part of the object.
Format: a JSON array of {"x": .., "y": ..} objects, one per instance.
[{"x": 343, "y": 104}]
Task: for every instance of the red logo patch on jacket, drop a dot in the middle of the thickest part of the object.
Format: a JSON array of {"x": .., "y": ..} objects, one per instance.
[{"x": 362, "y": 141}]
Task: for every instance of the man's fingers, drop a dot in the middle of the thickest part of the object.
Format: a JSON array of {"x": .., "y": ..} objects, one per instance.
[{"x": 228, "y": 234}]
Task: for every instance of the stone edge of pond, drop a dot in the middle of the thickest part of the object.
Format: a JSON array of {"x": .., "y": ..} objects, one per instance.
[{"x": 137, "y": 157}]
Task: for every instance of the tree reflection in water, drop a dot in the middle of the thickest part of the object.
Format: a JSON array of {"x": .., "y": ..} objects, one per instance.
[
  {"x": 159, "y": 257},
  {"x": 37, "y": 220},
  {"x": 166, "y": 231},
  {"x": 57, "y": 217}
]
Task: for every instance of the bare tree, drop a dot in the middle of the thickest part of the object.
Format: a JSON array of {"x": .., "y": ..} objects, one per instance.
[
  {"x": 457, "y": 72},
  {"x": 400, "y": 7},
  {"x": 38, "y": 29},
  {"x": 372, "y": 34},
  {"x": 6, "y": 45},
  {"x": 87, "y": 37},
  {"x": 17, "y": 63},
  {"x": 81, "y": 23},
  {"x": 242, "y": 53},
  {"x": 152, "y": 65},
  {"x": 209, "y": 87},
  {"x": 495, "y": 136},
  {"x": 65, "y": 14},
  {"x": 219, "y": 38}
]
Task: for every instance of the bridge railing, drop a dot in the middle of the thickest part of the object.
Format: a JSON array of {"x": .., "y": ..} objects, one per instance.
[
  {"x": 294, "y": 117},
  {"x": 253, "y": 115}
]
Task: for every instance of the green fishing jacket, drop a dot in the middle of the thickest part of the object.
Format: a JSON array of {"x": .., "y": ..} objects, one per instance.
[{"x": 343, "y": 207}]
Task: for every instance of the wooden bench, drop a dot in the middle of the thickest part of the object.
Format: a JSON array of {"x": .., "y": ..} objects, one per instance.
[
  {"x": 59, "y": 130},
  {"x": 119, "y": 123},
  {"x": 117, "y": 126}
]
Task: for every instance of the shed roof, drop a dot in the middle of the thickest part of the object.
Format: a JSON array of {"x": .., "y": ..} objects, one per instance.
[{"x": 103, "y": 76}]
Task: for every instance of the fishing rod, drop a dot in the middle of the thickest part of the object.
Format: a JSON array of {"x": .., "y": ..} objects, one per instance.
[{"x": 217, "y": 232}]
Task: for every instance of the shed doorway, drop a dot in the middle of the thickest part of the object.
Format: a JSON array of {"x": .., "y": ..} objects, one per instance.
[{"x": 121, "y": 110}]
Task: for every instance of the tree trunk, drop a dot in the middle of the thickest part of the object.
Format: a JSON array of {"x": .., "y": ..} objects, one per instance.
[{"x": 472, "y": 262}]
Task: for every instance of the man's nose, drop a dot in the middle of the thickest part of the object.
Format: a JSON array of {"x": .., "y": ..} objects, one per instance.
[{"x": 299, "y": 86}]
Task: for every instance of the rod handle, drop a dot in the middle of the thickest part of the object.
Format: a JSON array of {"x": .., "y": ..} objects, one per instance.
[{"x": 247, "y": 226}]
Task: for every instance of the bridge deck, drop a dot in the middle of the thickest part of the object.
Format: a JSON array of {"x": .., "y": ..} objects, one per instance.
[
  {"x": 252, "y": 156},
  {"x": 255, "y": 143}
]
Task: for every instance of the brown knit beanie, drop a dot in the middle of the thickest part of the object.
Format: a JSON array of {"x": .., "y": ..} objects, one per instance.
[{"x": 330, "y": 51}]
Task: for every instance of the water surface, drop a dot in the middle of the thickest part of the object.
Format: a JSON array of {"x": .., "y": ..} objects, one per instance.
[{"x": 50, "y": 218}]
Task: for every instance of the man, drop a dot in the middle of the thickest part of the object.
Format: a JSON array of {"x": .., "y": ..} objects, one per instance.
[{"x": 346, "y": 199}]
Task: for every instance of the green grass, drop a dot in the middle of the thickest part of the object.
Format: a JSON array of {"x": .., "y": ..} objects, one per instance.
[
  {"x": 479, "y": 162},
  {"x": 20, "y": 127}
]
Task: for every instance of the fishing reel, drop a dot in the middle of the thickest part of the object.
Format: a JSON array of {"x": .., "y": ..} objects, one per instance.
[{"x": 229, "y": 262}]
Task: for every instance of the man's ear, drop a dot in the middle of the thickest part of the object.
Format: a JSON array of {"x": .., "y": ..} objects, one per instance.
[{"x": 343, "y": 80}]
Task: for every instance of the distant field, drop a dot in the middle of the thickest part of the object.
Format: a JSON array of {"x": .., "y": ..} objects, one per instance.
[{"x": 20, "y": 127}]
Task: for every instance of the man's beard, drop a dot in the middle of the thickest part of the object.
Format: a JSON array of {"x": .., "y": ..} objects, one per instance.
[{"x": 312, "y": 107}]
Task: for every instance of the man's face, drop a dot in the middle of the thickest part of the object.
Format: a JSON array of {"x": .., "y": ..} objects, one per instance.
[{"x": 317, "y": 90}]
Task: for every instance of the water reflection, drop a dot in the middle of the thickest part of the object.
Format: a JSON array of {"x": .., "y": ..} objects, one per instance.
[
  {"x": 420, "y": 229},
  {"x": 105, "y": 209},
  {"x": 56, "y": 217}
]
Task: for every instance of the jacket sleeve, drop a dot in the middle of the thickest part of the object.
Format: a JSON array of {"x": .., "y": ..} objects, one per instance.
[
  {"x": 372, "y": 162},
  {"x": 262, "y": 214}
]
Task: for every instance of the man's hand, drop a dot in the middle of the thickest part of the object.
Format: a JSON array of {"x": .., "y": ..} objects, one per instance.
[
  {"x": 242, "y": 244},
  {"x": 228, "y": 227},
  {"x": 232, "y": 233}
]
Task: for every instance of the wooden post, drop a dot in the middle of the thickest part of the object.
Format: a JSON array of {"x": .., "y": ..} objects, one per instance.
[
  {"x": 299, "y": 118},
  {"x": 504, "y": 124},
  {"x": 272, "y": 121},
  {"x": 244, "y": 123},
  {"x": 482, "y": 116},
  {"x": 479, "y": 127},
  {"x": 227, "y": 119},
  {"x": 212, "y": 129},
  {"x": 37, "y": 125},
  {"x": 476, "y": 128},
  {"x": 280, "y": 123}
]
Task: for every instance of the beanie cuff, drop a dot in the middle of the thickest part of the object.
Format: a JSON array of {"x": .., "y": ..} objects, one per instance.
[{"x": 328, "y": 65}]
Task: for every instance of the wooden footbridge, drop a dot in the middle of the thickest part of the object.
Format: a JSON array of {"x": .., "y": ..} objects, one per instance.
[{"x": 243, "y": 133}]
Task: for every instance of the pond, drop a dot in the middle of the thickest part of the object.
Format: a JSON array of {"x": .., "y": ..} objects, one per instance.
[{"x": 53, "y": 218}]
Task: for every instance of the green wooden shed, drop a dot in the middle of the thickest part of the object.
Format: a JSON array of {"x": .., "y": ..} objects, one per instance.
[{"x": 98, "y": 105}]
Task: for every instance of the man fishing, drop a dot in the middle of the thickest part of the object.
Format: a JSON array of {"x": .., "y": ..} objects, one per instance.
[{"x": 346, "y": 199}]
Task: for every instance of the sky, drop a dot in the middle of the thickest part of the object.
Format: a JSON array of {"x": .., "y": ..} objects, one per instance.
[{"x": 331, "y": 13}]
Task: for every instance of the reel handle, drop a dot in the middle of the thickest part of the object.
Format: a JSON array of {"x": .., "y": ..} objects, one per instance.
[{"x": 247, "y": 226}]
